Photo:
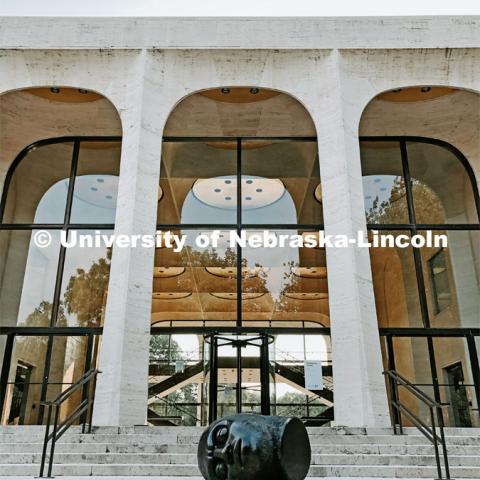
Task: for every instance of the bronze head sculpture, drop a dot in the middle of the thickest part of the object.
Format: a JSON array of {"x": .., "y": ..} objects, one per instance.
[{"x": 254, "y": 447}]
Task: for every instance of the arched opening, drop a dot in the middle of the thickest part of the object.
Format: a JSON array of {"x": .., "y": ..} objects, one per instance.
[
  {"x": 420, "y": 165},
  {"x": 59, "y": 165},
  {"x": 243, "y": 160}
]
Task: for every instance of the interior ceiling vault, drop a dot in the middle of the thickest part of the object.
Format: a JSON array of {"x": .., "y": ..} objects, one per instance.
[{"x": 239, "y": 113}]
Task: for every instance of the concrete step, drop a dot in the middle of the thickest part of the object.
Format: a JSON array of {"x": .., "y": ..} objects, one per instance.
[
  {"x": 191, "y": 458},
  {"x": 171, "y": 451},
  {"x": 140, "y": 447},
  {"x": 387, "y": 471},
  {"x": 193, "y": 439}
]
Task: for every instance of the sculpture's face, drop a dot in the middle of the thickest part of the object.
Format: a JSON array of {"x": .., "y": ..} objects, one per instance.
[{"x": 238, "y": 449}]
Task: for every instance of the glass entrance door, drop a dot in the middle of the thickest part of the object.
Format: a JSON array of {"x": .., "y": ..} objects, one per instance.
[
  {"x": 195, "y": 379},
  {"x": 239, "y": 375}
]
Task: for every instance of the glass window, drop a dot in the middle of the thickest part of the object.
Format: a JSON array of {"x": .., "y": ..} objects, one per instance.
[
  {"x": 441, "y": 187},
  {"x": 395, "y": 284},
  {"x": 457, "y": 389},
  {"x": 27, "y": 369},
  {"x": 86, "y": 272},
  {"x": 284, "y": 286},
  {"x": 451, "y": 280},
  {"x": 96, "y": 183},
  {"x": 196, "y": 285},
  {"x": 281, "y": 182},
  {"x": 37, "y": 191},
  {"x": 27, "y": 278},
  {"x": 198, "y": 183},
  {"x": 384, "y": 190}
]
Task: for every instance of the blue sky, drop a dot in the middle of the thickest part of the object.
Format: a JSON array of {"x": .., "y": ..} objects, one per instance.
[{"x": 243, "y": 8}]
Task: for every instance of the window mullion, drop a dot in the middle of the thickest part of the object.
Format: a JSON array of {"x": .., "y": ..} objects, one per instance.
[{"x": 239, "y": 231}]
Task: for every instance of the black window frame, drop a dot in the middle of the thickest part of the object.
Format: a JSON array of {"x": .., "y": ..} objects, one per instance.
[
  {"x": 66, "y": 225},
  {"x": 239, "y": 226},
  {"x": 427, "y": 331}
]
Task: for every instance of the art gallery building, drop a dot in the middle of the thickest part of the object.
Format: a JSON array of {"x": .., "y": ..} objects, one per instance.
[{"x": 296, "y": 126}]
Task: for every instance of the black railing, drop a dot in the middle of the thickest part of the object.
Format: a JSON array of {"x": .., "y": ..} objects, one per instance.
[
  {"x": 83, "y": 411},
  {"x": 436, "y": 417}
]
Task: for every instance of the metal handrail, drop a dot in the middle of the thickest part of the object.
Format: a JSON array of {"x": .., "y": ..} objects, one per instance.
[
  {"x": 177, "y": 406},
  {"x": 83, "y": 410},
  {"x": 430, "y": 432}
]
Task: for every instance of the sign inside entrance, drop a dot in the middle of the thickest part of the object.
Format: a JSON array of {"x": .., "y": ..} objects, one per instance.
[
  {"x": 313, "y": 375},
  {"x": 179, "y": 366}
]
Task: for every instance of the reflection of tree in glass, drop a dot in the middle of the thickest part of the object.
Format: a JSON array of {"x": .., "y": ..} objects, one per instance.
[
  {"x": 164, "y": 349},
  {"x": 209, "y": 257},
  {"x": 256, "y": 283},
  {"x": 428, "y": 208},
  {"x": 85, "y": 295},
  {"x": 40, "y": 317}
]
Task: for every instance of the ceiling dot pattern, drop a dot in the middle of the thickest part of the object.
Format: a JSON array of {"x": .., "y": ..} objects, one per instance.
[{"x": 221, "y": 192}]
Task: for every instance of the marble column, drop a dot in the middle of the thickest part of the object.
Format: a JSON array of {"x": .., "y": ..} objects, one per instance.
[
  {"x": 122, "y": 388},
  {"x": 359, "y": 387}
]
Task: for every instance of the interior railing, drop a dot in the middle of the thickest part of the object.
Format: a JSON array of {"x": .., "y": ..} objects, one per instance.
[
  {"x": 436, "y": 417},
  {"x": 83, "y": 411}
]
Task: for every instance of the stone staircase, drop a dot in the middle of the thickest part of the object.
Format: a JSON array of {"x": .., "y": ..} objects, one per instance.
[{"x": 171, "y": 451}]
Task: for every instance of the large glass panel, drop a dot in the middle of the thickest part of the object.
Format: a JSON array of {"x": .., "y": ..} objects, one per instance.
[
  {"x": 452, "y": 280},
  {"x": 176, "y": 377},
  {"x": 85, "y": 278},
  {"x": 457, "y": 389},
  {"x": 291, "y": 393},
  {"x": 198, "y": 183},
  {"x": 281, "y": 182},
  {"x": 22, "y": 400},
  {"x": 251, "y": 384},
  {"x": 285, "y": 285},
  {"x": 442, "y": 189},
  {"x": 27, "y": 277},
  {"x": 383, "y": 183},
  {"x": 195, "y": 286},
  {"x": 395, "y": 283},
  {"x": 96, "y": 183},
  {"x": 67, "y": 365},
  {"x": 412, "y": 361},
  {"x": 227, "y": 379},
  {"x": 38, "y": 188}
]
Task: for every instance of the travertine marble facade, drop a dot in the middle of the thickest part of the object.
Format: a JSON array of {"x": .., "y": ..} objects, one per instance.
[{"x": 334, "y": 67}]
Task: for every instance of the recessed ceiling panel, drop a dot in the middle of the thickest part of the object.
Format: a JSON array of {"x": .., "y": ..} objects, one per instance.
[{"x": 221, "y": 192}]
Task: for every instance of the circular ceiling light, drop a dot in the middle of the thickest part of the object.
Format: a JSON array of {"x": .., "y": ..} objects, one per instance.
[
  {"x": 231, "y": 272},
  {"x": 318, "y": 193},
  {"x": 221, "y": 192},
  {"x": 310, "y": 272},
  {"x": 171, "y": 295},
  {"x": 98, "y": 190},
  {"x": 233, "y": 296},
  {"x": 225, "y": 91},
  {"x": 307, "y": 296},
  {"x": 167, "y": 272}
]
